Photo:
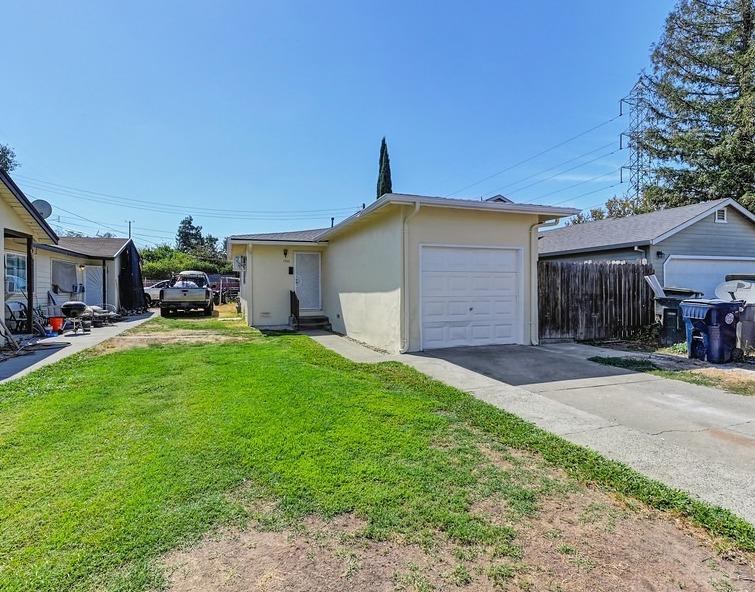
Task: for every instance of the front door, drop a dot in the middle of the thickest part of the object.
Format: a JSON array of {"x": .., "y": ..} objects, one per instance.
[
  {"x": 307, "y": 280},
  {"x": 93, "y": 284}
]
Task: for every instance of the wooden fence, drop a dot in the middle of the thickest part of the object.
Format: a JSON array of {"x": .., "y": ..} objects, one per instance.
[{"x": 593, "y": 300}]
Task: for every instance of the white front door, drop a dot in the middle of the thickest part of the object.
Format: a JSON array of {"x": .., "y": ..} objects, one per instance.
[
  {"x": 93, "y": 284},
  {"x": 307, "y": 280},
  {"x": 470, "y": 296}
]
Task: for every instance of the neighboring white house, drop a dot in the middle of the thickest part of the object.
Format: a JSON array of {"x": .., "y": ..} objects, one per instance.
[
  {"x": 406, "y": 273},
  {"x": 82, "y": 268},
  {"x": 42, "y": 270},
  {"x": 21, "y": 227},
  {"x": 692, "y": 246}
]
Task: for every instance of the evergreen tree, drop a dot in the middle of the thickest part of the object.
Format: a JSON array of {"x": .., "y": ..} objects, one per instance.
[
  {"x": 8, "y": 160},
  {"x": 384, "y": 184},
  {"x": 189, "y": 236},
  {"x": 701, "y": 131}
]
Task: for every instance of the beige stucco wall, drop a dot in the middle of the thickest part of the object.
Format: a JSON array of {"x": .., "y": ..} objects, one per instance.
[
  {"x": 364, "y": 268},
  {"x": 444, "y": 226},
  {"x": 363, "y": 271},
  {"x": 271, "y": 282}
]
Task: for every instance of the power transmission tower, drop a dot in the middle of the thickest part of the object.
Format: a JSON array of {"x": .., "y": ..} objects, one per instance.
[{"x": 639, "y": 161}]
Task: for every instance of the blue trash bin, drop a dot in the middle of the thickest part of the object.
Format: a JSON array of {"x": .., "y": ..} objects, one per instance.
[{"x": 712, "y": 329}]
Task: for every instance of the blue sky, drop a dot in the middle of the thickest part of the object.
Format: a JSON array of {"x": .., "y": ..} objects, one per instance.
[{"x": 277, "y": 108}]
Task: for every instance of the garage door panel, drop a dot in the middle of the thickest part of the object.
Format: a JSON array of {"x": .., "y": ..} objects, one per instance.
[
  {"x": 703, "y": 274},
  {"x": 469, "y": 296}
]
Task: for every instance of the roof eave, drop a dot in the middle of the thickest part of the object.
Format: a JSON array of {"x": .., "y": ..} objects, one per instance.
[
  {"x": 258, "y": 241},
  {"x": 27, "y": 205},
  {"x": 485, "y": 206},
  {"x": 613, "y": 247},
  {"x": 64, "y": 251}
]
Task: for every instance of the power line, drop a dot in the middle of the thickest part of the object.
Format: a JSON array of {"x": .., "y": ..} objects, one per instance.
[
  {"x": 566, "y": 171},
  {"x": 182, "y": 211},
  {"x": 534, "y": 156},
  {"x": 555, "y": 166},
  {"x": 586, "y": 194},
  {"x": 41, "y": 184}
]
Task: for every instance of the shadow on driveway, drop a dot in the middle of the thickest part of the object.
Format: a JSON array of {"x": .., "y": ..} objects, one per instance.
[{"x": 522, "y": 365}]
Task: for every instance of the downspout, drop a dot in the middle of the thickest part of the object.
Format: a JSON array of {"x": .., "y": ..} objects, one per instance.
[
  {"x": 534, "y": 229},
  {"x": 404, "y": 329},
  {"x": 104, "y": 282}
]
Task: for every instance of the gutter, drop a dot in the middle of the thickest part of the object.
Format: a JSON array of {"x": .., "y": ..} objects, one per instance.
[
  {"x": 534, "y": 255},
  {"x": 404, "y": 329}
]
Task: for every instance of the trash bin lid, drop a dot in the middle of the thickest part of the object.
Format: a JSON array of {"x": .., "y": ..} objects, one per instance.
[{"x": 697, "y": 308}]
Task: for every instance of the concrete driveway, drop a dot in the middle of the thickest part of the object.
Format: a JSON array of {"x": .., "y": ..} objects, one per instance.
[{"x": 698, "y": 439}]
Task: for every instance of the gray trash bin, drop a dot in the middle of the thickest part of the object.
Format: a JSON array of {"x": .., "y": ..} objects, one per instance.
[{"x": 746, "y": 329}]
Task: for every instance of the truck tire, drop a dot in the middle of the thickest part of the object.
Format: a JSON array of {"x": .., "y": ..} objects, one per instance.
[
  {"x": 208, "y": 310},
  {"x": 164, "y": 311}
]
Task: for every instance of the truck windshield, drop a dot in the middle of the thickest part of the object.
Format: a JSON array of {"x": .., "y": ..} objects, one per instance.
[{"x": 189, "y": 282}]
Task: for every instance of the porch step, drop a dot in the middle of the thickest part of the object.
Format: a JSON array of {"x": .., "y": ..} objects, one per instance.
[{"x": 314, "y": 322}]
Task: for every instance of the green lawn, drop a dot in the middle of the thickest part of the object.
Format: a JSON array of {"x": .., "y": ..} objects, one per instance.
[
  {"x": 108, "y": 461},
  {"x": 732, "y": 384}
]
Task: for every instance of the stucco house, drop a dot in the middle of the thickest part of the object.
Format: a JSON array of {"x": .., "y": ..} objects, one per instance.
[
  {"x": 406, "y": 273},
  {"x": 692, "y": 246}
]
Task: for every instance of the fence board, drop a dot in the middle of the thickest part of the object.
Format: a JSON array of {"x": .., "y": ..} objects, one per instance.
[{"x": 586, "y": 301}]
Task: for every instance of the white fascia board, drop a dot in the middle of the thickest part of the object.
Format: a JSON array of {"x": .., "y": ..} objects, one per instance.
[{"x": 459, "y": 204}]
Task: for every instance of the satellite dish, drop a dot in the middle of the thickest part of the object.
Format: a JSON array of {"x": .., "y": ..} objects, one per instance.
[
  {"x": 737, "y": 290},
  {"x": 44, "y": 208}
]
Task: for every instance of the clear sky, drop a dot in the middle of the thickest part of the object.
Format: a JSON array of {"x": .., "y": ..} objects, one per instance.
[{"x": 277, "y": 108}]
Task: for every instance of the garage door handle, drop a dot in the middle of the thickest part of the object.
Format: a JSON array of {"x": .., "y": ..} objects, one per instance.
[{"x": 471, "y": 308}]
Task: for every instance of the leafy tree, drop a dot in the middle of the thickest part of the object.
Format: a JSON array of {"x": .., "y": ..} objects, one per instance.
[
  {"x": 701, "y": 100},
  {"x": 163, "y": 261},
  {"x": 8, "y": 161},
  {"x": 384, "y": 183},
  {"x": 593, "y": 215},
  {"x": 189, "y": 236}
]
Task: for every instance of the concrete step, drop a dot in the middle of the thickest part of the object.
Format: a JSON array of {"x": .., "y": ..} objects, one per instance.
[{"x": 314, "y": 322}]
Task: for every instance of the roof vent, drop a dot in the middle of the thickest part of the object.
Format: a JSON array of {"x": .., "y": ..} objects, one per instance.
[
  {"x": 500, "y": 198},
  {"x": 721, "y": 216}
]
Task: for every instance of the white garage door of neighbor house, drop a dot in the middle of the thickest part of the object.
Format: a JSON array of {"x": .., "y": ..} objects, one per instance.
[
  {"x": 703, "y": 274},
  {"x": 470, "y": 296}
]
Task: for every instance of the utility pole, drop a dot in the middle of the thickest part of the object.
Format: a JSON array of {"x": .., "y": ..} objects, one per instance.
[
  {"x": 639, "y": 161},
  {"x": 129, "y": 227}
]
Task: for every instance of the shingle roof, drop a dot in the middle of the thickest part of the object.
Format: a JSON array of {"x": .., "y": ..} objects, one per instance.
[
  {"x": 298, "y": 236},
  {"x": 605, "y": 234},
  {"x": 93, "y": 246}
]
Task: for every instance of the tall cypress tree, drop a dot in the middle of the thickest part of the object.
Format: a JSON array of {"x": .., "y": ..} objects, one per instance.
[
  {"x": 384, "y": 184},
  {"x": 701, "y": 131}
]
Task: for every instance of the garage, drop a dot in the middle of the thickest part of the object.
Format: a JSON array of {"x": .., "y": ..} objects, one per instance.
[
  {"x": 704, "y": 273},
  {"x": 470, "y": 296}
]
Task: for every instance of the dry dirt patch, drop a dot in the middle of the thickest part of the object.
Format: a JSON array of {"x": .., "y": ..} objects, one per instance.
[
  {"x": 172, "y": 337},
  {"x": 585, "y": 540}
]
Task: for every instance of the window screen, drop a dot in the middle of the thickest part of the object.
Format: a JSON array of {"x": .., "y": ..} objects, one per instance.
[
  {"x": 63, "y": 276},
  {"x": 15, "y": 274}
]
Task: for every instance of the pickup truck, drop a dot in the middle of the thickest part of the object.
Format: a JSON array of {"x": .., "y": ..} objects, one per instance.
[{"x": 189, "y": 290}]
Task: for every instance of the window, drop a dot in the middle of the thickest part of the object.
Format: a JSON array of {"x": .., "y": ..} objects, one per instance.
[
  {"x": 15, "y": 274},
  {"x": 721, "y": 216},
  {"x": 63, "y": 277}
]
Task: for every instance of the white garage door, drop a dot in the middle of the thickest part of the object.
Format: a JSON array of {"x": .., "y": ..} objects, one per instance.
[
  {"x": 470, "y": 296},
  {"x": 703, "y": 274}
]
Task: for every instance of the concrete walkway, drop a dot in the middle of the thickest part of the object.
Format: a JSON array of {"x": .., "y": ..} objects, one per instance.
[
  {"x": 19, "y": 366},
  {"x": 698, "y": 439}
]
